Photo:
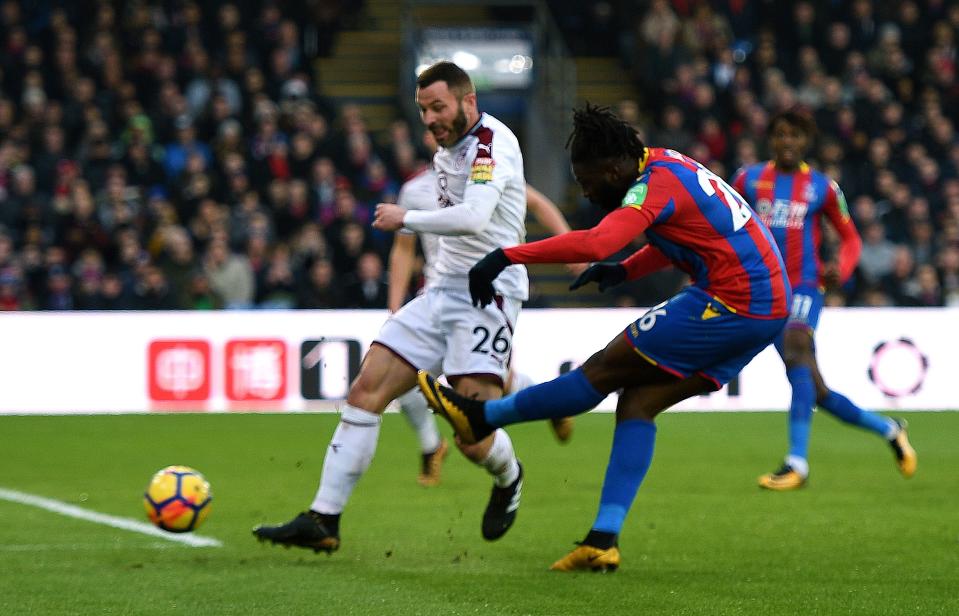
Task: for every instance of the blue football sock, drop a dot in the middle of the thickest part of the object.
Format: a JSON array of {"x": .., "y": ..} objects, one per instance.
[
  {"x": 569, "y": 394},
  {"x": 629, "y": 460},
  {"x": 800, "y": 410},
  {"x": 843, "y": 408}
]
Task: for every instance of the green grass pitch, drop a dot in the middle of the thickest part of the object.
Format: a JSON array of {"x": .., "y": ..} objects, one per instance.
[{"x": 701, "y": 538}]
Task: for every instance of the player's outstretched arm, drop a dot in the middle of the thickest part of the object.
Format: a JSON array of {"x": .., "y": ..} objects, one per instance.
[
  {"x": 550, "y": 216},
  {"x": 612, "y": 234},
  {"x": 467, "y": 218},
  {"x": 402, "y": 257}
]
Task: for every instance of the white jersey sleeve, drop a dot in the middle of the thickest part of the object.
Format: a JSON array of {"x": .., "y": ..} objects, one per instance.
[
  {"x": 482, "y": 198},
  {"x": 420, "y": 194}
]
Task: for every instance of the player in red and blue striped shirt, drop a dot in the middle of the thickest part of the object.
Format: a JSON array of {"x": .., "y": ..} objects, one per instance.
[
  {"x": 690, "y": 344},
  {"x": 793, "y": 200}
]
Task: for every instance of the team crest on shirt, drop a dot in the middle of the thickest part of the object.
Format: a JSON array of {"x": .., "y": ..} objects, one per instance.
[
  {"x": 460, "y": 161},
  {"x": 482, "y": 170},
  {"x": 810, "y": 195},
  {"x": 636, "y": 195}
]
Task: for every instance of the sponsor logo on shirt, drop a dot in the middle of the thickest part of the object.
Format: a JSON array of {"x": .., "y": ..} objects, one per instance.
[
  {"x": 782, "y": 213},
  {"x": 482, "y": 170}
]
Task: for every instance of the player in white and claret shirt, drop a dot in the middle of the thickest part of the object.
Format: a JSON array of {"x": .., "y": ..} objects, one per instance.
[
  {"x": 421, "y": 193},
  {"x": 482, "y": 194}
]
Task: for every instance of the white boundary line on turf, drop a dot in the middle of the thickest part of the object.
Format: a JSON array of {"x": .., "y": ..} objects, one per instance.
[{"x": 15, "y": 496}]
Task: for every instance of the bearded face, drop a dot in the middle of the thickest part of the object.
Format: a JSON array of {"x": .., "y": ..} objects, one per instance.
[{"x": 443, "y": 113}]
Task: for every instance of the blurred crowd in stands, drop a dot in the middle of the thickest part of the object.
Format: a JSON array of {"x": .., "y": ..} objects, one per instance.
[
  {"x": 165, "y": 155},
  {"x": 176, "y": 154},
  {"x": 880, "y": 78}
]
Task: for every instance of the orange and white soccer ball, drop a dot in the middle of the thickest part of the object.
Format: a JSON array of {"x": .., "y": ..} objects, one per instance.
[{"x": 177, "y": 499}]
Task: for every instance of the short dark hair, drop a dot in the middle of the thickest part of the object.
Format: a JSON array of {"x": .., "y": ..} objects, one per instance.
[
  {"x": 599, "y": 133},
  {"x": 456, "y": 78},
  {"x": 797, "y": 118}
]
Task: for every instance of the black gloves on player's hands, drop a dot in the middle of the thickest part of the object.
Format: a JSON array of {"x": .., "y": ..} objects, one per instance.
[
  {"x": 489, "y": 267},
  {"x": 606, "y": 274},
  {"x": 483, "y": 274}
]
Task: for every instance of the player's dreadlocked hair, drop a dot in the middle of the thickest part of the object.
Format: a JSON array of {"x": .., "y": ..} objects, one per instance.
[{"x": 599, "y": 133}]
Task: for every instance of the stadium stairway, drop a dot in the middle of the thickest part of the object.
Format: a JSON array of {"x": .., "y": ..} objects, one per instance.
[
  {"x": 600, "y": 81},
  {"x": 364, "y": 66},
  {"x": 603, "y": 81}
]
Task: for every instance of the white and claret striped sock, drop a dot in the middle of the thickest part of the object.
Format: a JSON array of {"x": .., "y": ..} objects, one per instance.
[
  {"x": 348, "y": 456},
  {"x": 501, "y": 461}
]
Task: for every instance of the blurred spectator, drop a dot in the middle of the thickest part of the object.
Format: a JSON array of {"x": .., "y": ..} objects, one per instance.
[
  {"x": 201, "y": 296},
  {"x": 276, "y": 284},
  {"x": 230, "y": 275},
  {"x": 949, "y": 269},
  {"x": 11, "y": 297},
  {"x": 179, "y": 264},
  {"x": 153, "y": 290},
  {"x": 899, "y": 283},
  {"x": 319, "y": 289},
  {"x": 878, "y": 253},
  {"x": 928, "y": 291},
  {"x": 368, "y": 287},
  {"x": 186, "y": 144}
]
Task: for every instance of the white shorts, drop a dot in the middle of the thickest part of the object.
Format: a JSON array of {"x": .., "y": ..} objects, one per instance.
[{"x": 442, "y": 332}]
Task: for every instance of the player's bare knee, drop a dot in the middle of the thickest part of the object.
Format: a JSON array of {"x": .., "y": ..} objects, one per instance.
[
  {"x": 797, "y": 348},
  {"x": 365, "y": 395},
  {"x": 645, "y": 412},
  {"x": 601, "y": 373},
  {"x": 797, "y": 355}
]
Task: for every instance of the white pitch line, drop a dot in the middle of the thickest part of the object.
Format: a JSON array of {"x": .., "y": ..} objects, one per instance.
[{"x": 15, "y": 496}]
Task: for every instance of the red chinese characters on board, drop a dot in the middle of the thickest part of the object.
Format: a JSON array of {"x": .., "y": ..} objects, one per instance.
[
  {"x": 179, "y": 370},
  {"x": 255, "y": 369}
]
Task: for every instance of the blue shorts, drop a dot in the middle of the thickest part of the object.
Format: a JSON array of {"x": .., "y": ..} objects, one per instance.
[
  {"x": 804, "y": 313},
  {"x": 692, "y": 333}
]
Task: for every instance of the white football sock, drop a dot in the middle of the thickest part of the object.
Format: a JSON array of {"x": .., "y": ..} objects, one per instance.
[
  {"x": 347, "y": 458},
  {"x": 519, "y": 382},
  {"x": 418, "y": 414},
  {"x": 501, "y": 461},
  {"x": 800, "y": 465}
]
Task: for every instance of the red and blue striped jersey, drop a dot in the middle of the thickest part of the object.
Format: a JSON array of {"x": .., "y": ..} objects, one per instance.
[
  {"x": 706, "y": 229},
  {"x": 792, "y": 205},
  {"x": 692, "y": 219}
]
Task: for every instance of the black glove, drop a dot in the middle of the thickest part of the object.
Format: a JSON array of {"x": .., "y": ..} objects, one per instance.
[
  {"x": 483, "y": 274},
  {"x": 606, "y": 274}
]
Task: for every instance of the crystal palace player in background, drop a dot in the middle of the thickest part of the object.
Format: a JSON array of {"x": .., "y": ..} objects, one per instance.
[
  {"x": 793, "y": 200},
  {"x": 691, "y": 344}
]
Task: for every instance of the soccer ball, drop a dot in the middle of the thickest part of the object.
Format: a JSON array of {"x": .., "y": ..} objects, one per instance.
[{"x": 177, "y": 499}]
